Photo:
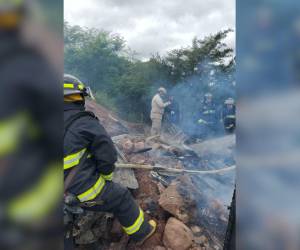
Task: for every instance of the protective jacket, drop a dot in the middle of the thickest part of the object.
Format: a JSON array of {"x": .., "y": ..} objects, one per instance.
[
  {"x": 92, "y": 181},
  {"x": 172, "y": 113},
  {"x": 209, "y": 112},
  {"x": 28, "y": 144},
  {"x": 228, "y": 116},
  {"x": 86, "y": 134},
  {"x": 158, "y": 107}
]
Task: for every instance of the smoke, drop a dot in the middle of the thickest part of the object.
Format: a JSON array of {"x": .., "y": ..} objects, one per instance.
[{"x": 189, "y": 93}]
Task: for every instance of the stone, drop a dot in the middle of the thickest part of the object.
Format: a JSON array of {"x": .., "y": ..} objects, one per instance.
[
  {"x": 116, "y": 230},
  {"x": 177, "y": 236},
  {"x": 171, "y": 201},
  {"x": 151, "y": 207},
  {"x": 177, "y": 202},
  {"x": 139, "y": 145},
  {"x": 126, "y": 178},
  {"x": 85, "y": 238},
  {"x": 196, "y": 229},
  {"x": 159, "y": 248},
  {"x": 127, "y": 146},
  {"x": 202, "y": 240},
  {"x": 160, "y": 187}
]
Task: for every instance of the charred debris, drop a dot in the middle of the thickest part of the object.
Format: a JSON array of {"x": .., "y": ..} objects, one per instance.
[{"x": 191, "y": 210}]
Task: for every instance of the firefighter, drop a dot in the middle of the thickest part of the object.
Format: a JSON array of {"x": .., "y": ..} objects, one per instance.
[
  {"x": 228, "y": 115},
  {"x": 172, "y": 112},
  {"x": 30, "y": 172},
  {"x": 87, "y": 143},
  {"x": 157, "y": 110},
  {"x": 208, "y": 117}
]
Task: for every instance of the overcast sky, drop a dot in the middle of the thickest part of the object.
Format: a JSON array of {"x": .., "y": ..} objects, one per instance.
[{"x": 151, "y": 26}]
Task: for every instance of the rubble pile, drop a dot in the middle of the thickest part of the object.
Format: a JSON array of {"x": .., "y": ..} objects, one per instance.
[{"x": 190, "y": 211}]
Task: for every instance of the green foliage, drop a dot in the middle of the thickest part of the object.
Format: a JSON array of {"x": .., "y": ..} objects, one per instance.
[
  {"x": 106, "y": 101},
  {"x": 126, "y": 84}
]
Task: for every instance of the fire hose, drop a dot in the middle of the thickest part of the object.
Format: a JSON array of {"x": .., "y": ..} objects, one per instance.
[{"x": 174, "y": 170}]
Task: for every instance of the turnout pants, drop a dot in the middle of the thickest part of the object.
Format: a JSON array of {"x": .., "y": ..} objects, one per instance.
[{"x": 117, "y": 199}]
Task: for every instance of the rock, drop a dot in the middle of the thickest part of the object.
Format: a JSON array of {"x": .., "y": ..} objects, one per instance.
[
  {"x": 177, "y": 235},
  {"x": 137, "y": 158},
  {"x": 159, "y": 248},
  {"x": 116, "y": 230},
  {"x": 197, "y": 248},
  {"x": 91, "y": 226},
  {"x": 127, "y": 146},
  {"x": 151, "y": 207},
  {"x": 121, "y": 245},
  {"x": 196, "y": 229},
  {"x": 171, "y": 201},
  {"x": 139, "y": 145},
  {"x": 178, "y": 200},
  {"x": 86, "y": 237},
  {"x": 126, "y": 178},
  {"x": 160, "y": 187},
  {"x": 202, "y": 240},
  {"x": 219, "y": 210}
]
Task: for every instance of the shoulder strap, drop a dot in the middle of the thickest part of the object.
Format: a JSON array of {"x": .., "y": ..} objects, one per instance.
[
  {"x": 75, "y": 117},
  {"x": 75, "y": 169}
]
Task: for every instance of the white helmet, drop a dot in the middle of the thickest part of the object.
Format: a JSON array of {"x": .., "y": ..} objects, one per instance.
[
  {"x": 208, "y": 95},
  {"x": 229, "y": 101},
  {"x": 162, "y": 90}
]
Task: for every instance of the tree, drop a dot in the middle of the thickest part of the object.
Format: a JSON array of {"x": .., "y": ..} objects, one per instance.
[{"x": 127, "y": 84}]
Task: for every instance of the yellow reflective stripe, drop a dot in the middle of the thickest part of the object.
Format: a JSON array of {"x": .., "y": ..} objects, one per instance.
[
  {"x": 10, "y": 132},
  {"x": 137, "y": 224},
  {"x": 92, "y": 192},
  {"x": 40, "y": 200},
  {"x": 15, "y": 2},
  {"x": 73, "y": 159},
  {"x": 107, "y": 177},
  {"x": 230, "y": 116},
  {"x": 68, "y": 85},
  {"x": 80, "y": 86}
]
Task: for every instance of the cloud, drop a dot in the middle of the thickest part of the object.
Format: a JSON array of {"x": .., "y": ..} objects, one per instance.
[{"x": 154, "y": 26}]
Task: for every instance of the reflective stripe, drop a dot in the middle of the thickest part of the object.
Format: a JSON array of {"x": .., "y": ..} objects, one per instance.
[
  {"x": 201, "y": 121},
  {"x": 10, "y": 133},
  {"x": 92, "y": 192},
  {"x": 230, "y": 126},
  {"x": 107, "y": 177},
  {"x": 209, "y": 112},
  {"x": 137, "y": 224},
  {"x": 80, "y": 86},
  {"x": 37, "y": 202},
  {"x": 69, "y": 85},
  {"x": 73, "y": 159},
  {"x": 230, "y": 116}
]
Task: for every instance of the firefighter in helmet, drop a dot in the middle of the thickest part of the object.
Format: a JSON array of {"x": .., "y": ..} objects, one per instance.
[
  {"x": 208, "y": 117},
  {"x": 86, "y": 143},
  {"x": 30, "y": 175},
  {"x": 228, "y": 115}
]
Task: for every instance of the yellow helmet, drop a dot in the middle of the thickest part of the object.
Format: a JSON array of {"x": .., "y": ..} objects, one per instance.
[
  {"x": 73, "y": 86},
  {"x": 12, "y": 13}
]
